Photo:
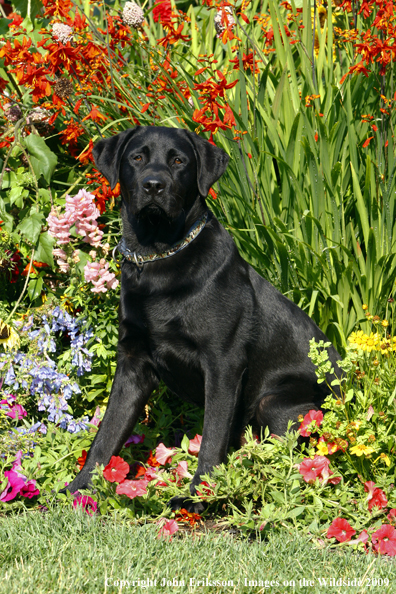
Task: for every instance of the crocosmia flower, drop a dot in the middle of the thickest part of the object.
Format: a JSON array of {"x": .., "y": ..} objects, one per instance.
[
  {"x": 116, "y": 470},
  {"x": 341, "y": 530}
]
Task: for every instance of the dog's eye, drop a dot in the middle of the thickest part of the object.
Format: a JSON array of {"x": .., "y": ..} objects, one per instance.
[
  {"x": 138, "y": 158},
  {"x": 178, "y": 161}
]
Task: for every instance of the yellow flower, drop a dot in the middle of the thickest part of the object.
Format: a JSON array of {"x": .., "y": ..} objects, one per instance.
[
  {"x": 361, "y": 450},
  {"x": 385, "y": 323},
  {"x": 356, "y": 424},
  {"x": 322, "y": 449},
  {"x": 385, "y": 458},
  {"x": 364, "y": 306},
  {"x": 8, "y": 337}
]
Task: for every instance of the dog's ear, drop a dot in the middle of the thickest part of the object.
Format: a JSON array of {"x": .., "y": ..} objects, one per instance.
[
  {"x": 212, "y": 161},
  {"x": 108, "y": 153}
]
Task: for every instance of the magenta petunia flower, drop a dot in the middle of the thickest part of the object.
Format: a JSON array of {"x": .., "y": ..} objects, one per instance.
[
  {"x": 87, "y": 503},
  {"x": 134, "y": 439},
  {"x": 13, "y": 487}
]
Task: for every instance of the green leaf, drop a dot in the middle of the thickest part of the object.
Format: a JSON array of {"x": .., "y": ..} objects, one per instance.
[
  {"x": 35, "y": 287},
  {"x": 30, "y": 226},
  {"x": 185, "y": 443},
  {"x": 43, "y": 159},
  {"x": 4, "y": 25},
  {"x": 297, "y": 511},
  {"x": 22, "y": 7},
  {"x": 44, "y": 249}
]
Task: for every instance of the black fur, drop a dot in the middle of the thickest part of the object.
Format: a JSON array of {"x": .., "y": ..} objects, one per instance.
[{"x": 203, "y": 321}]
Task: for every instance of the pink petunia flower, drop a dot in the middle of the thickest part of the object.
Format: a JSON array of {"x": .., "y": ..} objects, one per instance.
[
  {"x": 87, "y": 503},
  {"x": 132, "y": 489},
  {"x": 311, "y": 422},
  {"x": 163, "y": 454},
  {"x": 341, "y": 530},
  {"x": 195, "y": 445},
  {"x": 384, "y": 540},
  {"x": 168, "y": 529},
  {"x": 312, "y": 468},
  {"x": 182, "y": 470}
]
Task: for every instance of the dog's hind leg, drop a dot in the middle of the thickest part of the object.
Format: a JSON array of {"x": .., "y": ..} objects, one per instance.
[
  {"x": 276, "y": 410},
  {"x": 133, "y": 384}
]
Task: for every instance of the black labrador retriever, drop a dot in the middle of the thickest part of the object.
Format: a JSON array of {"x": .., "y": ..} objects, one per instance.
[{"x": 193, "y": 313}]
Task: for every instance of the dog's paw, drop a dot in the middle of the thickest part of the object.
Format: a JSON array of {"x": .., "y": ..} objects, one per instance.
[
  {"x": 75, "y": 486},
  {"x": 193, "y": 507}
]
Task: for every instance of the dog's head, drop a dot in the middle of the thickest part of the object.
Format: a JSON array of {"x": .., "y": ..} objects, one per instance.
[{"x": 161, "y": 170}]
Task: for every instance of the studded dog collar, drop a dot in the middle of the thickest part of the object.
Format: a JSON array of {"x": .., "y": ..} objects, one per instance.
[{"x": 140, "y": 260}]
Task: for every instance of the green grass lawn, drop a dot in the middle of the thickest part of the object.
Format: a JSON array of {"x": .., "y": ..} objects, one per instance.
[{"x": 66, "y": 551}]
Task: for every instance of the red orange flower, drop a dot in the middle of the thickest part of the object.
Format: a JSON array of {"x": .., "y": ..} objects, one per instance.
[
  {"x": 384, "y": 540},
  {"x": 341, "y": 530},
  {"x": 116, "y": 470}
]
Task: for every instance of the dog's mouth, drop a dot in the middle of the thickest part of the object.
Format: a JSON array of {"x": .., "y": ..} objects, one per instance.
[{"x": 153, "y": 213}]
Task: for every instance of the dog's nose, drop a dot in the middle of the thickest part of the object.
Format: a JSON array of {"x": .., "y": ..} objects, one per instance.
[{"x": 153, "y": 185}]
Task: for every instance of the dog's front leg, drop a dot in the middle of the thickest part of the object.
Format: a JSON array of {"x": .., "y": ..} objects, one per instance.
[
  {"x": 221, "y": 404},
  {"x": 133, "y": 384}
]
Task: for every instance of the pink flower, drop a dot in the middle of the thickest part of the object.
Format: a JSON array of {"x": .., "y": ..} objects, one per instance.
[
  {"x": 311, "y": 469},
  {"x": 311, "y": 422},
  {"x": 59, "y": 225},
  {"x": 87, "y": 503},
  {"x": 363, "y": 537},
  {"x": 163, "y": 454},
  {"x": 195, "y": 445},
  {"x": 132, "y": 489},
  {"x": 369, "y": 487},
  {"x": 384, "y": 540},
  {"x": 13, "y": 487},
  {"x": 15, "y": 410},
  {"x": 168, "y": 529},
  {"x": 98, "y": 274},
  {"x": 182, "y": 470},
  {"x": 17, "y": 483},
  {"x": 341, "y": 530}
]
